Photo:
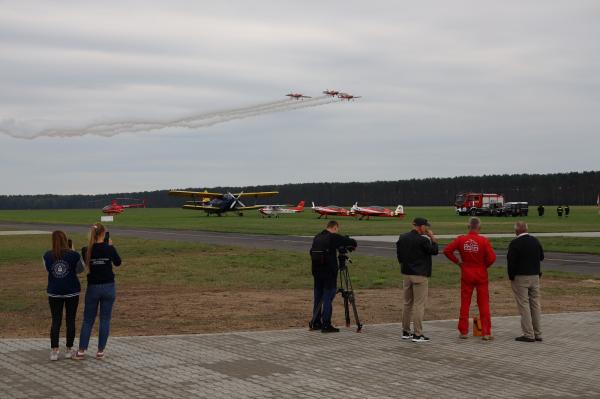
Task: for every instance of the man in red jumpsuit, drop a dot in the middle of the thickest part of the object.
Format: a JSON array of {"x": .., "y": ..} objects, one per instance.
[{"x": 476, "y": 255}]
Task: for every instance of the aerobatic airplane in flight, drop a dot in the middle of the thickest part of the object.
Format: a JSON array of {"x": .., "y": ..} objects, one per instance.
[
  {"x": 297, "y": 96},
  {"x": 219, "y": 203},
  {"x": 332, "y": 210},
  {"x": 276, "y": 210},
  {"x": 348, "y": 97},
  {"x": 331, "y": 93},
  {"x": 380, "y": 211}
]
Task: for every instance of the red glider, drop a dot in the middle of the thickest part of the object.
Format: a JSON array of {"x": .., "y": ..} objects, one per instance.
[
  {"x": 333, "y": 210},
  {"x": 379, "y": 211}
]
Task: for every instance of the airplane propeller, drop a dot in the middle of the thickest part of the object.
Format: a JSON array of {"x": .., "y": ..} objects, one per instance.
[{"x": 236, "y": 200}]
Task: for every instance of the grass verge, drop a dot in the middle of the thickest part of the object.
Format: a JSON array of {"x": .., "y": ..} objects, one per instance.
[{"x": 170, "y": 287}]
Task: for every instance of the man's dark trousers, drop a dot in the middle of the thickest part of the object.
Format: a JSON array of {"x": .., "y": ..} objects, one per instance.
[{"x": 324, "y": 293}]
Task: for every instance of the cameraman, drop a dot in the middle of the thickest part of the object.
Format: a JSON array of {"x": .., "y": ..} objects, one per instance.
[{"x": 324, "y": 270}]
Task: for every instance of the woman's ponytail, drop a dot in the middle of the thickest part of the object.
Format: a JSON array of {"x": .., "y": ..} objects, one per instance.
[{"x": 95, "y": 232}]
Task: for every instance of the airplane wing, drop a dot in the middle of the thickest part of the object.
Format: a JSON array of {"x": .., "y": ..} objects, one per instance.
[
  {"x": 248, "y": 208},
  {"x": 201, "y": 194},
  {"x": 257, "y": 194},
  {"x": 201, "y": 207}
]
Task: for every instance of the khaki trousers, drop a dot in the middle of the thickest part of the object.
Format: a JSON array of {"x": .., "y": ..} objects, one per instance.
[
  {"x": 527, "y": 295},
  {"x": 415, "y": 290}
]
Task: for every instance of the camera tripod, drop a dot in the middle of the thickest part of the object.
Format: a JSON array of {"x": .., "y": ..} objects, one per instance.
[{"x": 347, "y": 292}]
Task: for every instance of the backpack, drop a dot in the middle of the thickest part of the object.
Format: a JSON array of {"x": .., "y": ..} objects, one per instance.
[{"x": 320, "y": 250}]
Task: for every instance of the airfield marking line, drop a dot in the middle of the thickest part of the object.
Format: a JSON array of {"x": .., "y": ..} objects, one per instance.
[
  {"x": 573, "y": 260},
  {"x": 22, "y": 232},
  {"x": 213, "y": 235}
]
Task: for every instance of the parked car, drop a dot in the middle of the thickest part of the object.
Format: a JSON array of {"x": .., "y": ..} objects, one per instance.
[{"x": 515, "y": 209}]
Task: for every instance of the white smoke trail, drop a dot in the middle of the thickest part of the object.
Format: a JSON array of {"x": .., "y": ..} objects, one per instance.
[{"x": 190, "y": 122}]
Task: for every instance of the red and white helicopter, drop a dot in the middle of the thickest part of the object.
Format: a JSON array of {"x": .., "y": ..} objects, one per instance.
[
  {"x": 297, "y": 96},
  {"x": 276, "y": 210},
  {"x": 332, "y": 210},
  {"x": 379, "y": 211},
  {"x": 115, "y": 208},
  {"x": 348, "y": 97},
  {"x": 331, "y": 93}
]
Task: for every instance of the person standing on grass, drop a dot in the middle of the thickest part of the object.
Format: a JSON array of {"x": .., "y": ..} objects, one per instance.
[
  {"x": 524, "y": 256},
  {"x": 414, "y": 250},
  {"x": 100, "y": 255},
  {"x": 476, "y": 256},
  {"x": 62, "y": 265}
]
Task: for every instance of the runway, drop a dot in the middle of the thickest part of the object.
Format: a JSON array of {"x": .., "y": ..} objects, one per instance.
[{"x": 584, "y": 264}]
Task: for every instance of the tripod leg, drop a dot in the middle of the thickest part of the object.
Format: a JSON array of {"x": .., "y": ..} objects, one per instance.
[
  {"x": 346, "y": 309},
  {"x": 355, "y": 311}
]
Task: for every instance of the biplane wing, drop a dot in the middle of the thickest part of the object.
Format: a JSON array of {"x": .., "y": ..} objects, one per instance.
[
  {"x": 198, "y": 207},
  {"x": 257, "y": 194},
  {"x": 201, "y": 194}
]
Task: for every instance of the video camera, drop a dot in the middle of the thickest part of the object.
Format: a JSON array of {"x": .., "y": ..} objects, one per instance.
[{"x": 343, "y": 255}]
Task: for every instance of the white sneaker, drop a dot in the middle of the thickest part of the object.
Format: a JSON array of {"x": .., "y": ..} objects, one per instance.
[
  {"x": 54, "y": 355},
  {"x": 68, "y": 353}
]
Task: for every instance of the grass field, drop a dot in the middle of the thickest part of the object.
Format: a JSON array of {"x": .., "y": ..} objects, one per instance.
[
  {"x": 171, "y": 287},
  {"x": 443, "y": 220}
]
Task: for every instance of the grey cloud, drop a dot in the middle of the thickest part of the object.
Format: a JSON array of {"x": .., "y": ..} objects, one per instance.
[{"x": 459, "y": 81}]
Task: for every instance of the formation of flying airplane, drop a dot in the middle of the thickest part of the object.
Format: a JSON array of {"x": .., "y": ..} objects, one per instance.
[
  {"x": 380, "y": 211},
  {"x": 276, "y": 210},
  {"x": 115, "y": 208},
  {"x": 219, "y": 203},
  {"x": 348, "y": 97},
  {"x": 328, "y": 92},
  {"x": 330, "y": 210},
  {"x": 297, "y": 96}
]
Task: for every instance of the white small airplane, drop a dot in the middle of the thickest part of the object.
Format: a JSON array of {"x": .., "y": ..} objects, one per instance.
[{"x": 276, "y": 210}]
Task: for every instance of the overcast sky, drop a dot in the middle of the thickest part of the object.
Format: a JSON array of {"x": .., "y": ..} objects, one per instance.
[{"x": 449, "y": 88}]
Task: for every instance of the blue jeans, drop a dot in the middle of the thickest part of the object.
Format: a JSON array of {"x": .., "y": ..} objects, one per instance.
[
  {"x": 324, "y": 293},
  {"x": 102, "y": 295}
]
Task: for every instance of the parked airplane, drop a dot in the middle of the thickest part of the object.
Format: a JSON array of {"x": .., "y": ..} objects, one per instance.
[
  {"x": 297, "y": 96},
  {"x": 220, "y": 203},
  {"x": 333, "y": 210},
  {"x": 276, "y": 210},
  {"x": 331, "y": 93},
  {"x": 115, "y": 208},
  {"x": 346, "y": 96},
  {"x": 379, "y": 211}
]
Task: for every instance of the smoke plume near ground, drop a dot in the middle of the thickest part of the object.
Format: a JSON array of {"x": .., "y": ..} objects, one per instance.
[{"x": 191, "y": 122}]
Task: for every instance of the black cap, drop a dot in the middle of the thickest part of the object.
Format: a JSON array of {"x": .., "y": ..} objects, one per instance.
[{"x": 421, "y": 222}]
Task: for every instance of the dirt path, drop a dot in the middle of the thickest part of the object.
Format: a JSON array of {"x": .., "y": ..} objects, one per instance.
[{"x": 176, "y": 310}]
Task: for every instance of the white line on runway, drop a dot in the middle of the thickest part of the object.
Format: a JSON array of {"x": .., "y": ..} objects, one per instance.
[{"x": 23, "y": 232}]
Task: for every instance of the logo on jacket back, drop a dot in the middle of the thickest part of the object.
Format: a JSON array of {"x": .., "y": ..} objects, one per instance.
[
  {"x": 60, "y": 269},
  {"x": 471, "y": 246}
]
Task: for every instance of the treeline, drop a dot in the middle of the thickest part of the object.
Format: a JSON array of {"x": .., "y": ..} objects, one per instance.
[{"x": 576, "y": 188}]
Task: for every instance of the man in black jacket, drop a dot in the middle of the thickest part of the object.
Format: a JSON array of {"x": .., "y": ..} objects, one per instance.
[
  {"x": 414, "y": 250},
  {"x": 523, "y": 258},
  {"x": 325, "y": 270}
]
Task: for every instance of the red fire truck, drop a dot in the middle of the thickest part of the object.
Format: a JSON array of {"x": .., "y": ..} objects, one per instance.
[{"x": 479, "y": 204}]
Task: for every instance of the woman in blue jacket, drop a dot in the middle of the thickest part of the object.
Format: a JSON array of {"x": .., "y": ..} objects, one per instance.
[
  {"x": 62, "y": 265},
  {"x": 100, "y": 256}
]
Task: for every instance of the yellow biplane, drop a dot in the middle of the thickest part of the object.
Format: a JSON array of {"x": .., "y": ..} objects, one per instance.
[{"x": 219, "y": 203}]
